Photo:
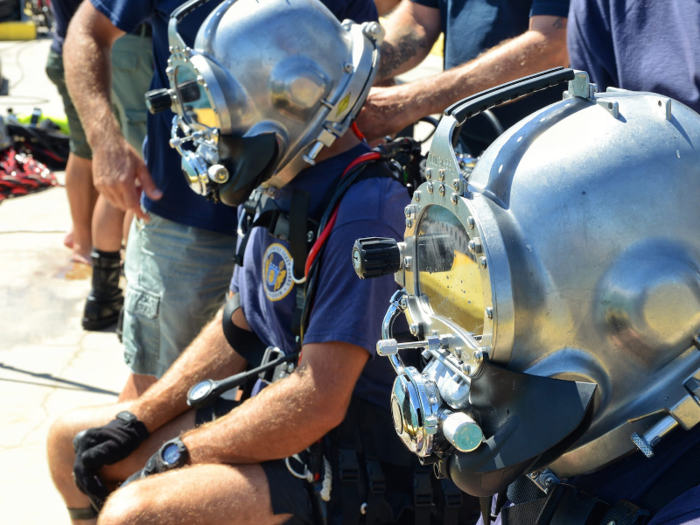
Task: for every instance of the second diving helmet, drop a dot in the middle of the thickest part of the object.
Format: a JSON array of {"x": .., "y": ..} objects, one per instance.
[
  {"x": 268, "y": 84},
  {"x": 553, "y": 288}
]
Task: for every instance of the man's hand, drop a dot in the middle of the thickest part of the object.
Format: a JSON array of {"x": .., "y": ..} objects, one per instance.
[
  {"x": 387, "y": 111},
  {"x": 97, "y": 447},
  {"x": 120, "y": 175}
]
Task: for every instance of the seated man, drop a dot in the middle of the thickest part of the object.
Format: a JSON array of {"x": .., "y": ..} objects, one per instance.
[{"x": 308, "y": 82}]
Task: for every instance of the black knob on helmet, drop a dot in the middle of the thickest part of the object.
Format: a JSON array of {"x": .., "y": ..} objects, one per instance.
[
  {"x": 375, "y": 257},
  {"x": 158, "y": 100}
]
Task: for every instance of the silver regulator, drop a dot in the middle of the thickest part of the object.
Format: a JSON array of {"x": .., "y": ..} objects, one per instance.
[{"x": 552, "y": 287}]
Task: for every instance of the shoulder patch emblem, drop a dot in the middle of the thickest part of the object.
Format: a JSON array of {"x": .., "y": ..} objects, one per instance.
[{"x": 277, "y": 272}]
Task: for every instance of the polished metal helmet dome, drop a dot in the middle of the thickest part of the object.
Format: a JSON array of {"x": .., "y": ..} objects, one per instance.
[
  {"x": 267, "y": 85},
  {"x": 555, "y": 286}
]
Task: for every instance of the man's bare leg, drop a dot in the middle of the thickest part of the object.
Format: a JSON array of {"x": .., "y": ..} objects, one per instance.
[
  {"x": 61, "y": 455},
  {"x": 201, "y": 494},
  {"x": 107, "y": 226},
  {"x": 81, "y": 199}
]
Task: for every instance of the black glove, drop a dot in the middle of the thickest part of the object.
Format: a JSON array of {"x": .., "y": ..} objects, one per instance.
[
  {"x": 97, "y": 447},
  {"x": 173, "y": 454}
]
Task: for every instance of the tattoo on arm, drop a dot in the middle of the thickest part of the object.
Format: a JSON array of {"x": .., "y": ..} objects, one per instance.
[
  {"x": 560, "y": 23},
  {"x": 396, "y": 54}
]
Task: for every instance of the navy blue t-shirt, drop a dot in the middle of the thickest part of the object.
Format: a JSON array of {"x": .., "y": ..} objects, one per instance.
[
  {"x": 641, "y": 45},
  {"x": 179, "y": 203},
  {"x": 472, "y": 27},
  {"x": 63, "y": 11},
  {"x": 346, "y": 308}
]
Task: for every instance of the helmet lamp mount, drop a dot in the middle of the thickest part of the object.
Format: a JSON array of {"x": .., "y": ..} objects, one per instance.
[{"x": 273, "y": 104}]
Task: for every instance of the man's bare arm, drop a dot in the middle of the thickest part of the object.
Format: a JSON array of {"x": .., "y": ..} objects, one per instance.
[
  {"x": 209, "y": 356},
  {"x": 543, "y": 46},
  {"x": 411, "y": 31},
  {"x": 289, "y": 415},
  {"x": 87, "y": 56}
]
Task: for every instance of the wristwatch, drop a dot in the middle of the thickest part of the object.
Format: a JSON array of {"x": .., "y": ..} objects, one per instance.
[
  {"x": 127, "y": 417},
  {"x": 174, "y": 453}
]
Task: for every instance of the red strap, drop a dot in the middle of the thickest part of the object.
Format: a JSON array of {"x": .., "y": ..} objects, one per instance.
[
  {"x": 313, "y": 253},
  {"x": 357, "y": 132}
]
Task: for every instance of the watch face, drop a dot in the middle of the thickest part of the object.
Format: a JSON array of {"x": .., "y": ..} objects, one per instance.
[
  {"x": 200, "y": 390},
  {"x": 171, "y": 454}
]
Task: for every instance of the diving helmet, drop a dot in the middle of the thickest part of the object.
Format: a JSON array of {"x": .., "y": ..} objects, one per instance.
[
  {"x": 552, "y": 286},
  {"x": 268, "y": 84}
]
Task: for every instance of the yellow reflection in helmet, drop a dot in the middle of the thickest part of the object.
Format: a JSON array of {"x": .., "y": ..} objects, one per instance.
[{"x": 449, "y": 274}]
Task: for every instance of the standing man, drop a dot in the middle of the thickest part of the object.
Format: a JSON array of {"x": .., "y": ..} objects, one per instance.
[
  {"x": 640, "y": 46},
  {"x": 181, "y": 247},
  {"x": 487, "y": 43}
]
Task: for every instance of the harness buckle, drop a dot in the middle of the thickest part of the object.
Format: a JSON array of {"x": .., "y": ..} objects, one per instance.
[
  {"x": 423, "y": 490},
  {"x": 348, "y": 467},
  {"x": 377, "y": 481}
]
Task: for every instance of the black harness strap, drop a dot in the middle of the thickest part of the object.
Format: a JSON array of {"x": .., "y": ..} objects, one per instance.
[
  {"x": 683, "y": 475},
  {"x": 246, "y": 343},
  {"x": 453, "y": 501},
  {"x": 376, "y": 488},
  {"x": 349, "y": 468},
  {"x": 299, "y": 230},
  {"x": 422, "y": 493},
  {"x": 626, "y": 513}
]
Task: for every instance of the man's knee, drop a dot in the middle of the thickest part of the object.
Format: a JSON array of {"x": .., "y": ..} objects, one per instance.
[
  {"x": 127, "y": 505},
  {"x": 59, "y": 443}
]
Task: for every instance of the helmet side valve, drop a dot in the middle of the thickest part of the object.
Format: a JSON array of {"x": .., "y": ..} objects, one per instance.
[
  {"x": 460, "y": 430},
  {"x": 310, "y": 157},
  {"x": 647, "y": 441}
]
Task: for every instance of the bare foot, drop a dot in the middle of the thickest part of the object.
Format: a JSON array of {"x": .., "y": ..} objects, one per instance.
[
  {"x": 68, "y": 240},
  {"x": 81, "y": 258}
]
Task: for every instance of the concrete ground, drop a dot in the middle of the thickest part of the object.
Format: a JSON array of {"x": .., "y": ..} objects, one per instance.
[{"x": 48, "y": 364}]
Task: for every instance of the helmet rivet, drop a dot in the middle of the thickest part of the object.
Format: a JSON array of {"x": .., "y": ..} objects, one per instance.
[
  {"x": 482, "y": 262},
  {"x": 471, "y": 223},
  {"x": 455, "y": 184},
  {"x": 409, "y": 223},
  {"x": 416, "y": 196},
  {"x": 441, "y": 174},
  {"x": 428, "y": 173},
  {"x": 441, "y": 190},
  {"x": 430, "y": 187},
  {"x": 489, "y": 312},
  {"x": 455, "y": 198},
  {"x": 348, "y": 67}
]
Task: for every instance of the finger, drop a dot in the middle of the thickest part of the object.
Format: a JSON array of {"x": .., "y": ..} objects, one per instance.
[
  {"x": 133, "y": 202},
  {"x": 106, "y": 453},
  {"x": 147, "y": 181}
]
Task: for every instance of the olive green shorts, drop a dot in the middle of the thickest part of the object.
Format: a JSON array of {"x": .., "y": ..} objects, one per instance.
[
  {"x": 78, "y": 141},
  {"x": 132, "y": 69}
]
